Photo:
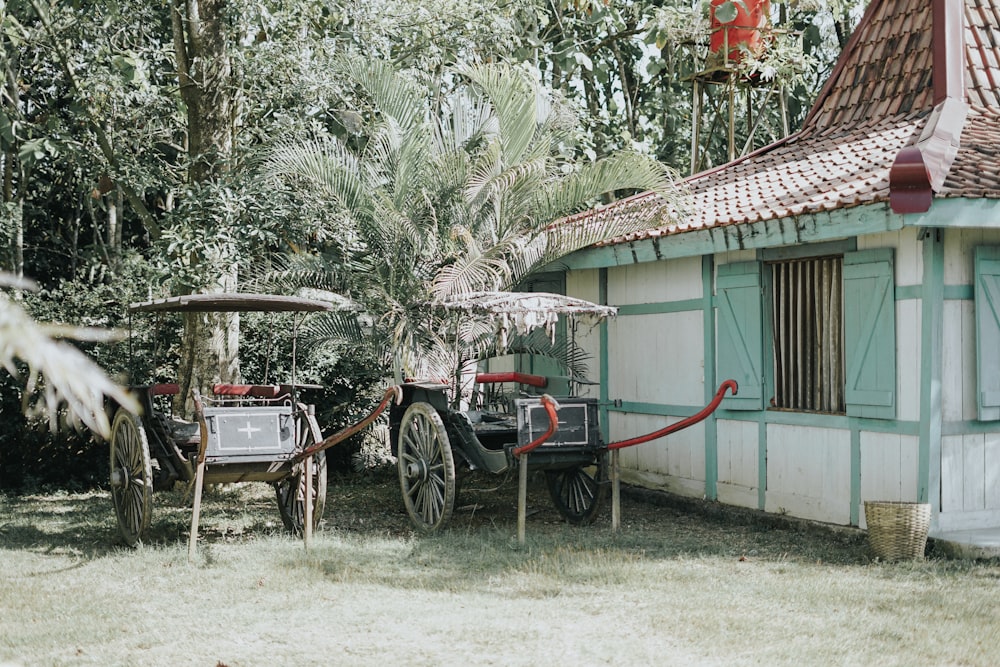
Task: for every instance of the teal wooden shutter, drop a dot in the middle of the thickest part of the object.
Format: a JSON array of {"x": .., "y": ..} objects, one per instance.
[
  {"x": 740, "y": 354},
  {"x": 987, "y": 265},
  {"x": 870, "y": 334}
]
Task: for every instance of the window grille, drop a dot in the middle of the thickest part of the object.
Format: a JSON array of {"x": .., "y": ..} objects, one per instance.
[{"x": 808, "y": 308}]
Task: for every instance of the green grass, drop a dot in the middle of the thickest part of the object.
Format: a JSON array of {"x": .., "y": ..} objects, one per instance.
[{"x": 672, "y": 588}]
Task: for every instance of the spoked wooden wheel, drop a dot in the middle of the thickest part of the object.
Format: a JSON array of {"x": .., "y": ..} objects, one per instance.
[
  {"x": 426, "y": 467},
  {"x": 131, "y": 476},
  {"x": 578, "y": 493},
  {"x": 291, "y": 491}
]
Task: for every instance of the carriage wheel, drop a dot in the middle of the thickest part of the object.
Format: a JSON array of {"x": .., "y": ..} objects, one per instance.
[
  {"x": 426, "y": 467},
  {"x": 579, "y": 493},
  {"x": 291, "y": 490},
  {"x": 131, "y": 476}
]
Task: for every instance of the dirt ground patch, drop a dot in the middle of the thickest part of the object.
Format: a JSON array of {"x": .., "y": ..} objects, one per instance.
[{"x": 372, "y": 503}]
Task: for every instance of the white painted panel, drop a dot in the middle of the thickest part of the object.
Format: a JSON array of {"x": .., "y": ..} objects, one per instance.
[
  {"x": 958, "y": 245},
  {"x": 657, "y": 358},
  {"x": 968, "y": 354},
  {"x": 973, "y": 465},
  {"x": 958, "y": 363},
  {"x": 908, "y": 360},
  {"x": 655, "y": 282},
  {"x": 681, "y": 454},
  {"x": 952, "y": 482},
  {"x": 586, "y": 332},
  {"x": 734, "y": 256},
  {"x": 991, "y": 474},
  {"x": 808, "y": 472},
  {"x": 737, "y": 453},
  {"x": 889, "y": 467},
  {"x": 908, "y": 256},
  {"x": 958, "y": 249},
  {"x": 584, "y": 284}
]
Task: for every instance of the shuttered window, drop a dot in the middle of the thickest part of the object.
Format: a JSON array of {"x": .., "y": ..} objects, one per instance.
[
  {"x": 807, "y": 310},
  {"x": 833, "y": 334},
  {"x": 987, "y": 265},
  {"x": 870, "y": 334},
  {"x": 740, "y": 354}
]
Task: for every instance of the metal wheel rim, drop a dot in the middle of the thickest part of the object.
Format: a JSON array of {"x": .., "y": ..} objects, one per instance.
[
  {"x": 131, "y": 476},
  {"x": 291, "y": 490},
  {"x": 426, "y": 467},
  {"x": 578, "y": 493}
]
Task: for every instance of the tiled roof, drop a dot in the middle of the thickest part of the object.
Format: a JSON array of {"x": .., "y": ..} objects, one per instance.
[{"x": 879, "y": 100}]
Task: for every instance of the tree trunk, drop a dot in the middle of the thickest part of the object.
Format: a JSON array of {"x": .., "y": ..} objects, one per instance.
[{"x": 210, "y": 341}]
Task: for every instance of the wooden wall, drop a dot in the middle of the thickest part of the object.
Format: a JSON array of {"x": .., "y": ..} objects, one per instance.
[{"x": 820, "y": 467}]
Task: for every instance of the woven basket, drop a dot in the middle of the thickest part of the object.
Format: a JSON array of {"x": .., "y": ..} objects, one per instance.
[{"x": 897, "y": 530}]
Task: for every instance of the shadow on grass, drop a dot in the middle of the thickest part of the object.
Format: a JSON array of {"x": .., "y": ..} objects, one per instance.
[{"x": 85, "y": 524}]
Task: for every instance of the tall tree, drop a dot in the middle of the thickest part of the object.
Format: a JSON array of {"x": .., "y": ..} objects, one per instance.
[{"x": 204, "y": 71}]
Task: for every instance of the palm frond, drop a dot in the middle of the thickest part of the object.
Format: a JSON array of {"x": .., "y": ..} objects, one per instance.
[
  {"x": 324, "y": 163},
  {"x": 583, "y": 186},
  {"x": 59, "y": 375},
  {"x": 392, "y": 94},
  {"x": 337, "y": 327},
  {"x": 467, "y": 120},
  {"x": 514, "y": 97},
  {"x": 566, "y": 353}
]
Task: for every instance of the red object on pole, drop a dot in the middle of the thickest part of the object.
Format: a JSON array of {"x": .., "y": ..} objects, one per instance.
[
  {"x": 550, "y": 406},
  {"x": 752, "y": 18},
  {"x": 682, "y": 424}
]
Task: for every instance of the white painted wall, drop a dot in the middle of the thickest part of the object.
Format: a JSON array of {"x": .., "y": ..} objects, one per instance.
[
  {"x": 809, "y": 472},
  {"x": 737, "y": 452},
  {"x": 888, "y": 468},
  {"x": 655, "y": 282},
  {"x": 970, "y": 464},
  {"x": 659, "y": 359}
]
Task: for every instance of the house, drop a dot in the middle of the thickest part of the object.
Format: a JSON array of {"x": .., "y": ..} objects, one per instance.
[{"x": 847, "y": 276}]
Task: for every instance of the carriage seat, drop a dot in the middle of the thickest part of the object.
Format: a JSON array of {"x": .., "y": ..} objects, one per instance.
[
  {"x": 537, "y": 381},
  {"x": 247, "y": 390}
]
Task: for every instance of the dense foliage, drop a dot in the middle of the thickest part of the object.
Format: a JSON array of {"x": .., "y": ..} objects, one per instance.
[{"x": 119, "y": 184}]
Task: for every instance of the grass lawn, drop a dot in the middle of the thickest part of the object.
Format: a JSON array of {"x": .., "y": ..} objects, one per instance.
[{"x": 673, "y": 587}]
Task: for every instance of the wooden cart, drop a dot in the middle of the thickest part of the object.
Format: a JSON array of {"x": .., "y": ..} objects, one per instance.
[{"x": 240, "y": 433}]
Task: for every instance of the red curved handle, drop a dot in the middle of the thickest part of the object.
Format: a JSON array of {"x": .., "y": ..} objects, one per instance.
[
  {"x": 682, "y": 424},
  {"x": 395, "y": 392},
  {"x": 550, "y": 406}
]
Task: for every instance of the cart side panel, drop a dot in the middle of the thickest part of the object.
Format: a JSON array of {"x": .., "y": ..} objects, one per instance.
[
  {"x": 578, "y": 423},
  {"x": 248, "y": 434}
]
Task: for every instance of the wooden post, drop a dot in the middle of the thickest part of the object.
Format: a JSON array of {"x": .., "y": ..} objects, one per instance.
[
  {"x": 616, "y": 498},
  {"x": 522, "y": 498},
  {"x": 307, "y": 528},
  {"x": 695, "y": 123},
  {"x": 199, "y": 475},
  {"x": 199, "y": 482}
]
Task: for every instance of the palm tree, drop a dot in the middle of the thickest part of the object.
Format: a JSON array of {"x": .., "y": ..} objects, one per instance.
[{"x": 445, "y": 198}]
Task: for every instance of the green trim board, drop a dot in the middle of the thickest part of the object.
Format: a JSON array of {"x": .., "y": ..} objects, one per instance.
[
  {"x": 839, "y": 224},
  {"x": 661, "y": 307},
  {"x": 931, "y": 337},
  {"x": 602, "y": 297},
  {"x": 855, "y": 476},
  {"x": 711, "y": 428}
]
